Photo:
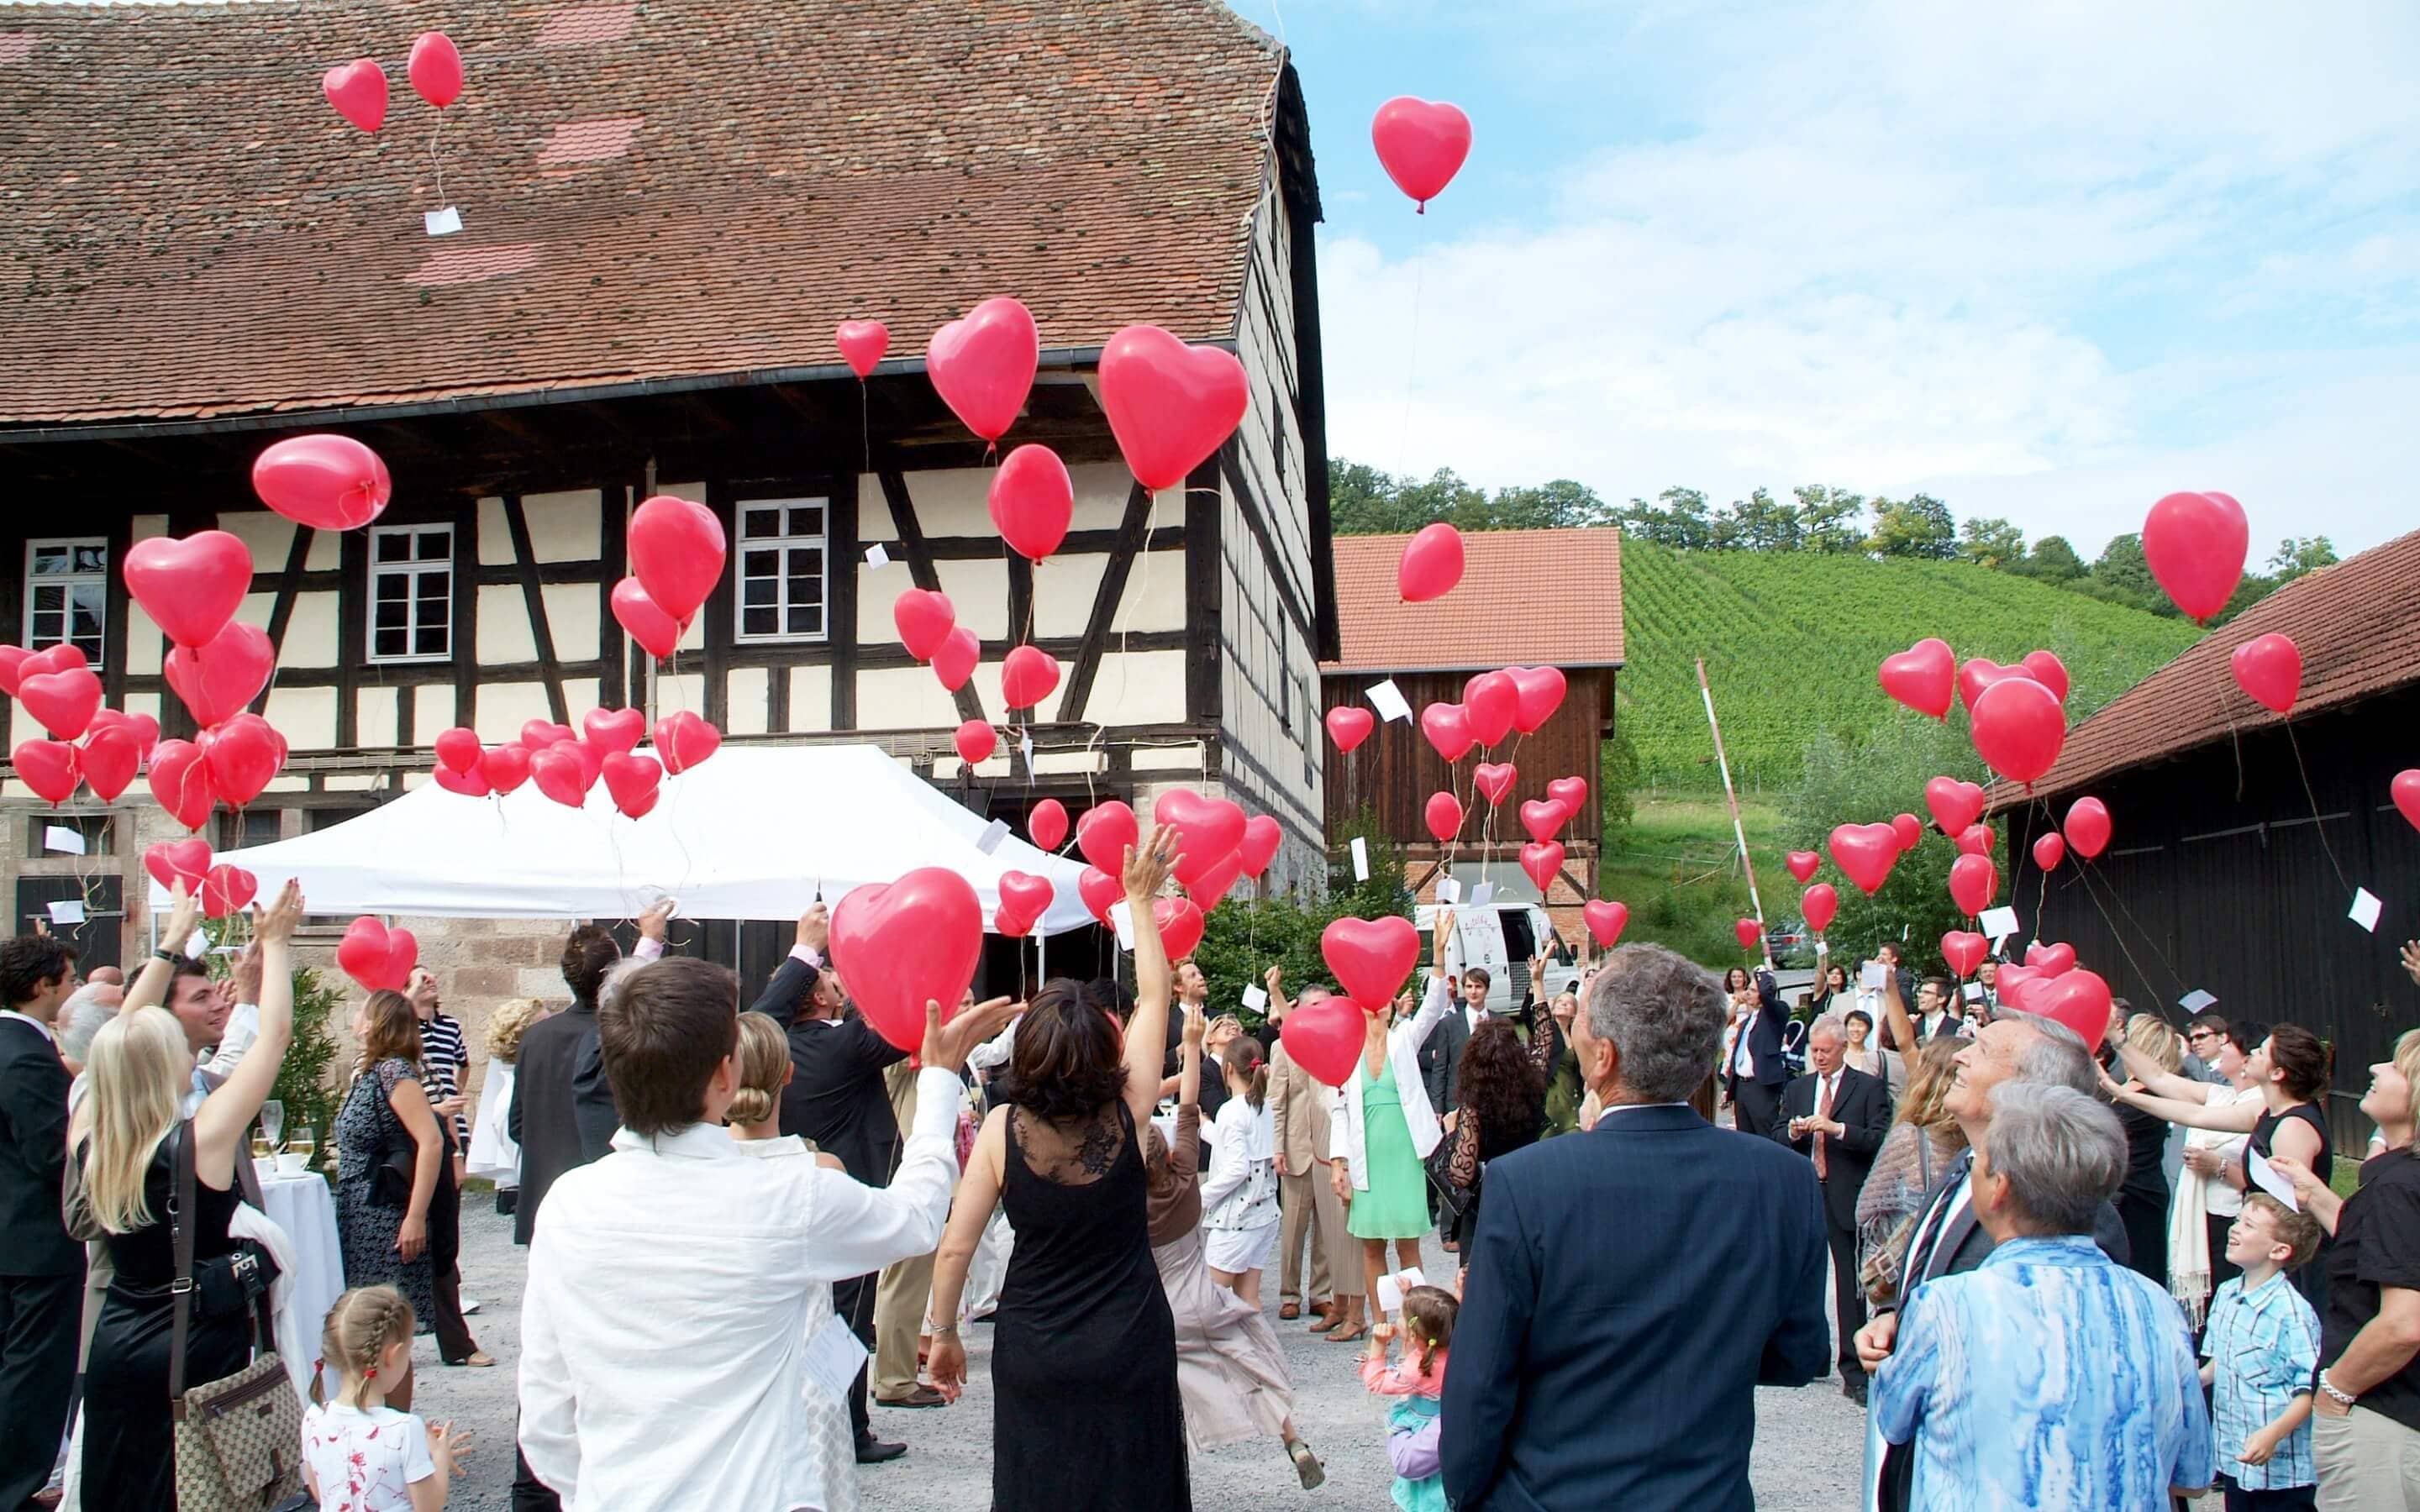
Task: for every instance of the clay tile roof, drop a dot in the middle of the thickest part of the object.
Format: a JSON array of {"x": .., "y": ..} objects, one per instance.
[
  {"x": 1550, "y": 598},
  {"x": 680, "y": 189},
  {"x": 2357, "y": 625}
]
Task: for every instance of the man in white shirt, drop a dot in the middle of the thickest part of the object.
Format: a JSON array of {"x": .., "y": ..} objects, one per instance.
[{"x": 663, "y": 1362}]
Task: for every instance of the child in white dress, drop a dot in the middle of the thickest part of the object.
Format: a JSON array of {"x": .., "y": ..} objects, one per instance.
[
  {"x": 360, "y": 1455},
  {"x": 1239, "y": 1198}
]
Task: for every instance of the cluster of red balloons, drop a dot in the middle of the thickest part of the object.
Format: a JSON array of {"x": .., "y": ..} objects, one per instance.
[
  {"x": 1494, "y": 705},
  {"x": 677, "y": 554},
  {"x": 1220, "y": 845},
  {"x": 2017, "y": 715},
  {"x": 566, "y": 766},
  {"x": 223, "y": 890},
  {"x": 358, "y": 89},
  {"x": 65, "y": 700},
  {"x": 2086, "y": 833},
  {"x": 1024, "y": 898},
  {"x": 379, "y": 958},
  {"x": 1371, "y": 958}
]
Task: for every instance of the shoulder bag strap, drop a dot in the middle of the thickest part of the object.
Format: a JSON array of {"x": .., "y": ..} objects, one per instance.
[{"x": 181, "y": 1232}]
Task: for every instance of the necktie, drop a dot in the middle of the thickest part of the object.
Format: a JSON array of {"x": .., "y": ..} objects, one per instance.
[{"x": 1822, "y": 1110}]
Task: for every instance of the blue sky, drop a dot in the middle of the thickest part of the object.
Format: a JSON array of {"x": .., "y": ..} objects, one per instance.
[{"x": 2047, "y": 262}]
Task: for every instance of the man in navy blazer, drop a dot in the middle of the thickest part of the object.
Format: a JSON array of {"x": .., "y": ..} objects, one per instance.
[{"x": 1630, "y": 1288}]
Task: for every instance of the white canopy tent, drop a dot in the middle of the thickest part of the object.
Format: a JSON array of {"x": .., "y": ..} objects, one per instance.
[{"x": 755, "y": 833}]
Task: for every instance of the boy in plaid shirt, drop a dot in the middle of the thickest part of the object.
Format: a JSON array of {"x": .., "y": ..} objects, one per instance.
[{"x": 2261, "y": 1345}]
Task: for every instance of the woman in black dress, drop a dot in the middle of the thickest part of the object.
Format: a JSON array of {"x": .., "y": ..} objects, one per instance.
[
  {"x": 1501, "y": 1104},
  {"x": 140, "y": 1069},
  {"x": 1088, "y": 1414}
]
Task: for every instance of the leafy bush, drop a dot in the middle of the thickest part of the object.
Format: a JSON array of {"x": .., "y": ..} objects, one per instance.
[
  {"x": 304, "y": 1082},
  {"x": 1240, "y": 940}
]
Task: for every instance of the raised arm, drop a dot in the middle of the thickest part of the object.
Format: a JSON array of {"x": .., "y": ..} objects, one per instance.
[
  {"x": 227, "y": 1113},
  {"x": 2164, "y": 1083},
  {"x": 1146, "y": 869},
  {"x": 1439, "y": 995},
  {"x": 2228, "y": 1118},
  {"x": 149, "y": 988},
  {"x": 1903, "y": 1029},
  {"x": 1278, "y": 1007}
]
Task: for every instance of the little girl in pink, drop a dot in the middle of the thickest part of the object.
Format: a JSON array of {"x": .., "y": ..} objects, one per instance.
[{"x": 1414, "y": 1384}]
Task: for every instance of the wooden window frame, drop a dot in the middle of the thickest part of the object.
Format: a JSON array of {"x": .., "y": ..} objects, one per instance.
[
  {"x": 66, "y": 582},
  {"x": 412, "y": 570}
]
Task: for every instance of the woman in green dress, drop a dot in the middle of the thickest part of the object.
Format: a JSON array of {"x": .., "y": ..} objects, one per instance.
[{"x": 1385, "y": 1130}]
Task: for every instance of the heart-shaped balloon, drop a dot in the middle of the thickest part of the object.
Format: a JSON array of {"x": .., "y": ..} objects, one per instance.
[
  {"x": 2050, "y": 958},
  {"x": 190, "y": 588},
  {"x": 1180, "y": 926},
  {"x": 1326, "y": 1039},
  {"x": 1544, "y": 820},
  {"x": 1490, "y": 701},
  {"x": 2087, "y": 827},
  {"x": 1211, "y": 884},
  {"x": 1924, "y": 676},
  {"x": 1100, "y": 892},
  {"x": 1974, "y": 882},
  {"x": 328, "y": 483},
  {"x": 1104, "y": 835},
  {"x": 1027, "y": 676},
  {"x": 1747, "y": 930},
  {"x": 1541, "y": 861},
  {"x": 1263, "y": 835},
  {"x": 1047, "y": 824},
  {"x": 505, "y": 768},
  {"x": 1865, "y": 854},
  {"x": 677, "y": 551},
  {"x": 2404, "y": 790},
  {"x": 63, "y": 702},
  {"x": 613, "y": 730},
  {"x": 50, "y": 767},
  {"x": 560, "y": 774},
  {"x": 436, "y": 69},
  {"x": 983, "y": 366},
  {"x": 1421, "y": 144},
  {"x": 1448, "y": 729},
  {"x": 2078, "y": 998},
  {"x": 1028, "y": 895},
  {"x": 178, "y": 781},
  {"x": 1443, "y": 815},
  {"x": 633, "y": 781},
  {"x": 1170, "y": 406},
  {"x": 1032, "y": 500},
  {"x": 218, "y": 680},
  {"x": 2019, "y": 729},
  {"x": 358, "y": 90},
  {"x": 379, "y": 958},
  {"x": 1980, "y": 672},
  {"x": 1605, "y": 921},
  {"x": 67, "y": 657},
  {"x": 1571, "y": 792},
  {"x": 459, "y": 749},
  {"x": 468, "y": 784},
  {"x": 1909, "y": 829},
  {"x": 1955, "y": 805},
  {"x": 683, "y": 740},
  {"x": 2269, "y": 668},
  {"x": 2017, "y": 985},
  {"x": 1349, "y": 726},
  {"x": 537, "y": 735},
  {"x": 1803, "y": 864},
  {"x": 239, "y": 757},
  {"x": 954, "y": 660},
  {"x": 1431, "y": 564},
  {"x": 902, "y": 945},
  {"x": 1820, "y": 903},
  {"x": 2195, "y": 544},
  {"x": 644, "y": 619},
  {"x": 863, "y": 343},
  {"x": 11, "y": 659},
  {"x": 1964, "y": 950},
  {"x": 109, "y": 760},
  {"x": 1496, "y": 779},
  {"x": 2048, "y": 671},
  {"x": 976, "y": 740},
  {"x": 1541, "y": 690},
  {"x": 592, "y": 761},
  {"x": 1976, "y": 839},
  {"x": 144, "y": 729},
  {"x": 1209, "y": 828},
  {"x": 228, "y": 889},
  {"x": 1371, "y": 957}
]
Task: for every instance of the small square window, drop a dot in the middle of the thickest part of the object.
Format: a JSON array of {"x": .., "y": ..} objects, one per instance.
[
  {"x": 412, "y": 593},
  {"x": 782, "y": 570},
  {"x": 94, "y": 829},
  {"x": 66, "y": 594}
]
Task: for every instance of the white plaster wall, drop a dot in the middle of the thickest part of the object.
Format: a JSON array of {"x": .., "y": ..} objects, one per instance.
[
  {"x": 310, "y": 632},
  {"x": 1064, "y": 589},
  {"x": 745, "y": 704},
  {"x": 265, "y": 534},
  {"x": 1154, "y": 596},
  {"x": 907, "y": 697},
  {"x": 811, "y": 689},
  {"x": 432, "y": 711},
  {"x": 495, "y": 535},
  {"x": 1186, "y": 757},
  {"x": 563, "y": 526},
  {"x": 374, "y": 717},
  {"x": 307, "y": 717},
  {"x": 1136, "y": 687},
  {"x": 504, "y": 627},
  {"x": 572, "y": 618},
  {"x": 504, "y": 707},
  {"x": 326, "y": 553}
]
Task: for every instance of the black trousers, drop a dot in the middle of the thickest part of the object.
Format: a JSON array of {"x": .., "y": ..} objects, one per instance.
[
  {"x": 2292, "y": 1499},
  {"x": 1848, "y": 1297},
  {"x": 853, "y": 1299},
  {"x": 1755, "y": 1108},
  {"x": 40, "y": 1318},
  {"x": 531, "y": 1494}
]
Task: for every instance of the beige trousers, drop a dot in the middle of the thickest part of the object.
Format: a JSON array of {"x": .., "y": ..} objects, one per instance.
[
  {"x": 2367, "y": 1462},
  {"x": 1300, "y": 1205},
  {"x": 907, "y": 1286}
]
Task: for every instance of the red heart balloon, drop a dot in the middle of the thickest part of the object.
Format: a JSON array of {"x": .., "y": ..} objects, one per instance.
[
  {"x": 109, "y": 760},
  {"x": 469, "y": 784},
  {"x": 505, "y": 768},
  {"x": 1326, "y": 1040},
  {"x": 1029, "y": 895},
  {"x": 1348, "y": 725},
  {"x": 328, "y": 483},
  {"x": 1180, "y": 926},
  {"x": 1748, "y": 931},
  {"x": 644, "y": 619},
  {"x": 1571, "y": 792},
  {"x": 863, "y": 343},
  {"x": 2019, "y": 729},
  {"x": 1421, "y": 144},
  {"x": 2049, "y": 850},
  {"x": 560, "y": 774},
  {"x": 954, "y": 660},
  {"x": 2404, "y": 790},
  {"x": 11, "y": 659},
  {"x": 1027, "y": 676},
  {"x": 633, "y": 781},
  {"x": 63, "y": 657},
  {"x": 983, "y": 366},
  {"x": 1371, "y": 957},
  {"x": 537, "y": 735},
  {"x": 1964, "y": 950},
  {"x": 49, "y": 768},
  {"x": 613, "y": 730},
  {"x": 2078, "y": 998},
  {"x": 1210, "y": 830},
  {"x": 173, "y": 862},
  {"x": 1496, "y": 779},
  {"x": 218, "y": 680},
  {"x": 1169, "y": 406},
  {"x": 683, "y": 740},
  {"x": 2195, "y": 544},
  {"x": 1211, "y": 884},
  {"x": 925, "y": 619},
  {"x": 1979, "y": 674},
  {"x": 1104, "y": 834},
  {"x": 1541, "y": 690},
  {"x": 976, "y": 740},
  {"x": 1820, "y": 903},
  {"x": 2017, "y": 985},
  {"x": 1976, "y": 839},
  {"x": 379, "y": 958},
  {"x": 1263, "y": 835},
  {"x": 1542, "y": 820},
  {"x": 358, "y": 90},
  {"x": 1448, "y": 729},
  {"x": 228, "y": 889},
  {"x": 592, "y": 761},
  {"x": 459, "y": 749},
  {"x": 1491, "y": 700},
  {"x": 1974, "y": 881},
  {"x": 1923, "y": 676},
  {"x": 1803, "y": 864},
  {"x": 190, "y": 588},
  {"x": 1955, "y": 805},
  {"x": 240, "y": 756},
  {"x": 1865, "y": 854},
  {"x": 1909, "y": 831},
  {"x": 63, "y": 702},
  {"x": 2269, "y": 668},
  {"x": 1047, "y": 824},
  {"x": 1431, "y": 564},
  {"x": 1032, "y": 500},
  {"x": 1543, "y": 860},
  {"x": 677, "y": 551},
  {"x": 907, "y": 944},
  {"x": 2052, "y": 959},
  {"x": 177, "y": 779},
  {"x": 436, "y": 69},
  {"x": 1605, "y": 921},
  {"x": 2048, "y": 671},
  {"x": 145, "y": 729},
  {"x": 1100, "y": 892},
  {"x": 2087, "y": 827},
  {"x": 1007, "y": 921},
  {"x": 1443, "y": 815}
]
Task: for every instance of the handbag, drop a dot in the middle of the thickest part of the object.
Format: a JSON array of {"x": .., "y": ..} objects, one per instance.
[
  {"x": 1452, "y": 1201},
  {"x": 238, "y": 1440}
]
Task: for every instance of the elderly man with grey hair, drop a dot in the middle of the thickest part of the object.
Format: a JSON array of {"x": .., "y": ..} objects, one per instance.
[
  {"x": 1837, "y": 1115},
  {"x": 1631, "y": 1286},
  {"x": 2048, "y": 1376}
]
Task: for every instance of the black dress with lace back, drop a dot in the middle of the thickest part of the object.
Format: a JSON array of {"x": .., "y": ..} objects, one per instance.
[{"x": 1087, "y": 1410}]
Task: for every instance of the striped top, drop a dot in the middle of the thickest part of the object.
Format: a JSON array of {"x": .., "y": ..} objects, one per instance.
[{"x": 447, "y": 1061}]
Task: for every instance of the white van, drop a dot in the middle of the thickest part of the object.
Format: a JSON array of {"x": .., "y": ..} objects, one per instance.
[{"x": 1498, "y": 938}]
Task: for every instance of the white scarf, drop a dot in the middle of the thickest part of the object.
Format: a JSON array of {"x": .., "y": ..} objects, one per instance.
[{"x": 2189, "y": 1230}]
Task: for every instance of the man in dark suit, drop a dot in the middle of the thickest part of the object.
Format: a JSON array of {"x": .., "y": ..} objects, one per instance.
[
  {"x": 1616, "y": 1366},
  {"x": 1836, "y": 1116},
  {"x": 1758, "y": 1068},
  {"x": 41, "y": 1268},
  {"x": 1440, "y": 1057}
]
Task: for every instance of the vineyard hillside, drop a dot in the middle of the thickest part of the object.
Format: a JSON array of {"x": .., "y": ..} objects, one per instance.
[{"x": 1791, "y": 639}]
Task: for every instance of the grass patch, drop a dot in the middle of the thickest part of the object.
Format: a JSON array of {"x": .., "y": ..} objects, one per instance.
[{"x": 1677, "y": 866}]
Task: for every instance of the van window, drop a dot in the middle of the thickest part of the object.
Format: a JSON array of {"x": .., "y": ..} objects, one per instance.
[{"x": 1520, "y": 944}]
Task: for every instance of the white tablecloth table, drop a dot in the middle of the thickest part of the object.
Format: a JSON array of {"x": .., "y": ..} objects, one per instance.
[{"x": 305, "y": 1208}]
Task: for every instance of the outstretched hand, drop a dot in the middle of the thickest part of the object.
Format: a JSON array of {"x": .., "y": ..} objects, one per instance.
[
  {"x": 814, "y": 926},
  {"x": 2411, "y": 961},
  {"x": 947, "y": 1364},
  {"x": 1147, "y": 868}
]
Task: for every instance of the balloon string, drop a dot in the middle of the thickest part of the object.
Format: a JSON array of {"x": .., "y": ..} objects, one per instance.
[
  {"x": 2316, "y": 822},
  {"x": 438, "y": 160},
  {"x": 2084, "y": 873}
]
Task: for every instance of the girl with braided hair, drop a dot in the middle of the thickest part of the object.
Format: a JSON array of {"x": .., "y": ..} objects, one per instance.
[{"x": 359, "y": 1454}]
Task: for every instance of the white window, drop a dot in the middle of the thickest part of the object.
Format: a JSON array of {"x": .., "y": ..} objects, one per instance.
[
  {"x": 782, "y": 544},
  {"x": 66, "y": 594},
  {"x": 412, "y": 593}
]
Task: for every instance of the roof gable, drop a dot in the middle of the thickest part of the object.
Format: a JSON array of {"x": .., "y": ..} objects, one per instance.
[{"x": 1550, "y": 598}]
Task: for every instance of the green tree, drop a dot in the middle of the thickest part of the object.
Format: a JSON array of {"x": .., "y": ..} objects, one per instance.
[
  {"x": 2052, "y": 560},
  {"x": 1991, "y": 542},
  {"x": 1678, "y": 519},
  {"x": 2123, "y": 575},
  {"x": 1831, "y": 519},
  {"x": 1917, "y": 526},
  {"x": 1867, "y": 783},
  {"x": 2300, "y": 555},
  {"x": 1760, "y": 523}
]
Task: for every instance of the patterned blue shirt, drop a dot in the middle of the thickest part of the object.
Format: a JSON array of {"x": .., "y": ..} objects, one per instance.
[
  {"x": 2047, "y": 1378},
  {"x": 2265, "y": 1344}
]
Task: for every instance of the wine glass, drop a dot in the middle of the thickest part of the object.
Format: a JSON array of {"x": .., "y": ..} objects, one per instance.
[
  {"x": 272, "y": 1121},
  {"x": 302, "y": 1145}
]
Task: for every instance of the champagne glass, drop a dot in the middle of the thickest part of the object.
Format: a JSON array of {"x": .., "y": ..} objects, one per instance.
[
  {"x": 302, "y": 1144},
  {"x": 272, "y": 1121},
  {"x": 262, "y": 1147}
]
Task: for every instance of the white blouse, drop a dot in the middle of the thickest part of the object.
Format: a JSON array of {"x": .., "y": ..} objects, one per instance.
[{"x": 1241, "y": 1191}]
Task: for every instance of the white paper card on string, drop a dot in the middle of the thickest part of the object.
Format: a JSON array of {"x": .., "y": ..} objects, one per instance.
[
  {"x": 834, "y": 1357},
  {"x": 1448, "y": 890},
  {"x": 68, "y": 911},
  {"x": 2195, "y": 1000},
  {"x": 1483, "y": 894},
  {"x": 876, "y": 557},
  {"x": 1391, "y": 1287},
  {"x": 1122, "y": 920},
  {"x": 1998, "y": 923},
  {"x": 2270, "y": 1180},
  {"x": 993, "y": 834},
  {"x": 1255, "y": 999},
  {"x": 1360, "y": 859},
  {"x": 1027, "y": 746},
  {"x": 443, "y": 222},
  {"x": 60, "y": 838},
  {"x": 197, "y": 945},
  {"x": 2365, "y": 909},
  {"x": 1974, "y": 992},
  {"x": 1425, "y": 917},
  {"x": 1389, "y": 701}
]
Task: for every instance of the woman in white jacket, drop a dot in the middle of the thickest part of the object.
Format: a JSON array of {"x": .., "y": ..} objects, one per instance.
[{"x": 493, "y": 1152}]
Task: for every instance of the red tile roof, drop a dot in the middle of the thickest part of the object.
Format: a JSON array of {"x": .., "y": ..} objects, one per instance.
[
  {"x": 2357, "y": 625},
  {"x": 1550, "y": 598},
  {"x": 681, "y": 189}
]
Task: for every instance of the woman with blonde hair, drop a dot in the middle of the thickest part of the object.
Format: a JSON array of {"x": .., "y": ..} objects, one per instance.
[
  {"x": 1916, "y": 1153},
  {"x": 494, "y": 1152},
  {"x": 126, "y": 1139}
]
